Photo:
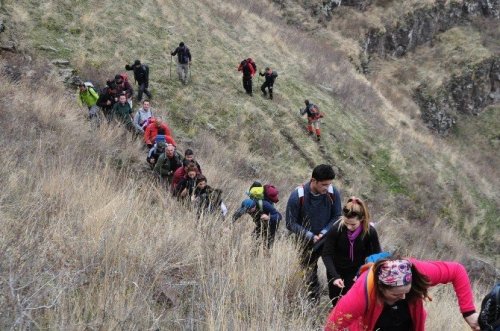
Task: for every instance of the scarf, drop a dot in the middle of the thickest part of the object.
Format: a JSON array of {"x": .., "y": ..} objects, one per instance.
[{"x": 352, "y": 235}]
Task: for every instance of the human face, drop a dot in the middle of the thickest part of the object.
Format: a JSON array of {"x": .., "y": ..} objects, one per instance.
[
  {"x": 202, "y": 185},
  {"x": 123, "y": 99},
  {"x": 189, "y": 157},
  {"x": 170, "y": 151},
  {"x": 352, "y": 223},
  {"x": 320, "y": 187},
  {"x": 192, "y": 174},
  {"x": 394, "y": 294},
  {"x": 145, "y": 105}
]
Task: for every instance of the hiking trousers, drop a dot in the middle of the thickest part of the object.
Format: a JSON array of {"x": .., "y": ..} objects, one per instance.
[
  {"x": 309, "y": 262},
  {"x": 269, "y": 86},
  {"x": 183, "y": 72},
  {"x": 335, "y": 292},
  {"x": 247, "y": 84},
  {"x": 143, "y": 88},
  {"x": 265, "y": 230}
]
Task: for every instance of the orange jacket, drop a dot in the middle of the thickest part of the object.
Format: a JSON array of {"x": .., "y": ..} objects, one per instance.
[{"x": 152, "y": 130}]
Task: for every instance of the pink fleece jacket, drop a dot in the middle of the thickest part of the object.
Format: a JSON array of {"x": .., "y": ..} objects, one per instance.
[{"x": 354, "y": 312}]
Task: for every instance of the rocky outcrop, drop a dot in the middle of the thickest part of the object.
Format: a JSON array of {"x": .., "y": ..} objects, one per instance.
[
  {"x": 476, "y": 88},
  {"x": 423, "y": 24}
]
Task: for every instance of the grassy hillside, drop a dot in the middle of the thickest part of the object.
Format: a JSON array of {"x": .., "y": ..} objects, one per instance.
[{"x": 93, "y": 243}]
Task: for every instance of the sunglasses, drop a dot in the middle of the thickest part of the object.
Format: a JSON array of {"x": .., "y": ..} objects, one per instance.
[{"x": 351, "y": 213}]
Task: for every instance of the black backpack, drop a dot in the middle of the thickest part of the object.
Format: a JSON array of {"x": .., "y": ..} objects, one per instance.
[{"x": 489, "y": 317}]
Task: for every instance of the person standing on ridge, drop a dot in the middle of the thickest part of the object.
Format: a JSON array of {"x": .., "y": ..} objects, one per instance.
[
  {"x": 248, "y": 68},
  {"x": 311, "y": 212},
  {"x": 270, "y": 76},
  {"x": 313, "y": 117},
  {"x": 141, "y": 76},
  {"x": 183, "y": 61}
]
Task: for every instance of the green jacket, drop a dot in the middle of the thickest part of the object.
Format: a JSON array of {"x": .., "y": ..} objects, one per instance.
[
  {"x": 87, "y": 98},
  {"x": 166, "y": 167},
  {"x": 122, "y": 112}
]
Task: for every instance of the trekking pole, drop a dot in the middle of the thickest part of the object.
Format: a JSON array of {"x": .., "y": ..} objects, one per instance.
[{"x": 170, "y": 75}]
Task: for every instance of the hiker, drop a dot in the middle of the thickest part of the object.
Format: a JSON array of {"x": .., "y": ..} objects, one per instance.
[
  {"x": 88, "y": 96},
  {"x": 141, "y": 77},
  {"x": 248, "y": 68},
  {"x": 347, "y": 246},
  {"x": 489, "y": 317},
  {"x": 141, "y": 118},
  {"x": 269, "y": 76},
  {"x": 189, "y": 155},
  {"x": 123, "y": 112},
  {"x": 265, "y": 217},
  {"x": 167, "y": 163},
  {"x": 123, "y": 87},
  {"x": 158, "y": 129},
  {"x": 180, "y": 173},
  {"x": 311, "y": 212},
  {"x": 107, "y": 100},
  {"x": 389, "y": 295},
  {"x": 313, "y": 118},
  {"x": 207, "y": 199},
  {"x": 185, "y": 188},
  {"x": 183, "y": 61},
  {"x": 155, "y": 152}
]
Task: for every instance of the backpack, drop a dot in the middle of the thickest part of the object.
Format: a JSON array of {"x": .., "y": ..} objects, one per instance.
[
  {"x": 124, "y": 76},
  {"x": 489, "y": 317},
  {"x": 259, "y": 192},
  {"x": 252, "y": 63}
]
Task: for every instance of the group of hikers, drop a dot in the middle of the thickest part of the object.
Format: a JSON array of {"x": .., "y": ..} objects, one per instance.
[{"x": 368, "y": 289}]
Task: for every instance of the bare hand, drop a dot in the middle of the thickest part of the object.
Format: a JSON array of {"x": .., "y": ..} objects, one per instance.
[
  {"x": 472, "y": 321},
  {"x": 339, "y": 283},
  {"x": 316, "y": 238},
  {"x": 264, "y": 217}
]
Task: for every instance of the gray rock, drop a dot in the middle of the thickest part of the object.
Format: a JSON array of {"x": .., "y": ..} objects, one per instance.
[
  {"x": 60, "y": 62},
  {"x": 48, "y": 48},
  {"x": 9, "y": 46},
  {"x": 211, "y": 127}
]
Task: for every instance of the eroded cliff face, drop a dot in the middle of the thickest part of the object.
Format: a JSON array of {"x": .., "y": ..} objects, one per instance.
[
  {"x": 469, "y": 93},
  {"x": 422, "y": 25}
]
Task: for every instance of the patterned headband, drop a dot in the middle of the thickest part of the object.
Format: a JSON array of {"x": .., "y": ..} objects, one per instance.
[{"x": 395, "y": 273}]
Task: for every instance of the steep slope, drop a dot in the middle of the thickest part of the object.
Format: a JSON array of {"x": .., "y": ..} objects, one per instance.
[{"x": 414, "y": 182}]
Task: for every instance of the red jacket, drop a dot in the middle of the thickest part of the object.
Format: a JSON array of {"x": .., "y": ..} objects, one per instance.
[
  {"x": 359, "y": 309},
  {"x": 152, "y": 131}
]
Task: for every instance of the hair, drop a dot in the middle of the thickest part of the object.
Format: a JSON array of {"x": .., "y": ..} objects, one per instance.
[
  {"x": 146, "y": 100},
  {"x": 181, "y": 44},
  {"x": 191, "y": 167},
  {"x": 137, "y": 62},
  {"x": 323, "y": 172},
  {"x": 201, "y": 178},
  {"x": 188, "y": 152},
  {"x": 187, "y": 163},
  {"x": 420, "y": 283},
  {"x": 357, "y": 207},
  {"x": 306, "y": 102}
]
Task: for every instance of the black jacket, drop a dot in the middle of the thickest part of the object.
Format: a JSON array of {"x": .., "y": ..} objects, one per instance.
[
  {"x": 270, "y": 77},
  {"x": 183, "y": 54},
  {"x": 141, "y": 74},
  {"x": 104, "y": 97},
  {"x": 335, "y": 253}
]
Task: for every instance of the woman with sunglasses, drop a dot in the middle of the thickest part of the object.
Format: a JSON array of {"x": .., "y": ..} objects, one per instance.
[
  {"x": 349, "y": 242},
  {"x": 389, "y": 296}
]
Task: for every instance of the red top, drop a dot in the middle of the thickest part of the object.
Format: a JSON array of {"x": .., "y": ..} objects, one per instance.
[
  {"x": 359, "y": 309},
  {"x": 152, "y": 131}
]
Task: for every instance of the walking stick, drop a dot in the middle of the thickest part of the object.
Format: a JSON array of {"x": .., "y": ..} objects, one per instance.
[{"x": 170, "y": 75}]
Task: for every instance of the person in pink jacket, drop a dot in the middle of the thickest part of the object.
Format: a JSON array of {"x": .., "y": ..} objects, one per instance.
[{"x": 390, "y": 294}]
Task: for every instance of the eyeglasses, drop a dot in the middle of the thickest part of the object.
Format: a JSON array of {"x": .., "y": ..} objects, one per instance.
[{"x": 354, "y": 200}]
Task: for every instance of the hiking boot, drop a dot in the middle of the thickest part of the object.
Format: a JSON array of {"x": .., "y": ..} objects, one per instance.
[
  {"x": 270, "y": 97},
  {"x": 318, "y": 138}
]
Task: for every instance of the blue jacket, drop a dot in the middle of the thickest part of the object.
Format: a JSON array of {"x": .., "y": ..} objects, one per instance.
[
  {"x": 316, "y": 215},
  {"x": 267, "y": 208}
]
